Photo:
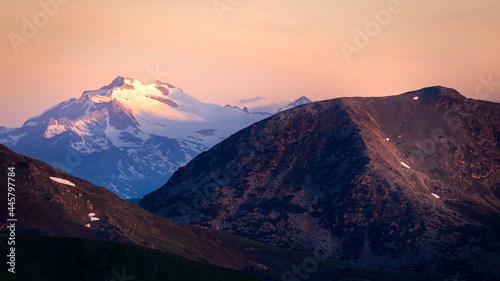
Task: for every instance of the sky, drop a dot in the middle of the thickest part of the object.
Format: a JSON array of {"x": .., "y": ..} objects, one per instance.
[{"x": 245, "y": 52}]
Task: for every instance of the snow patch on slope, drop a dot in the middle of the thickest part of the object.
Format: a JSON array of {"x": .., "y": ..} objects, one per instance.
[
  {"x": 99, "y": 98},
  {"x": 405, "y": 165},
  {"x": 63, "y": 181},
  {"x": 54, "y": 130}
]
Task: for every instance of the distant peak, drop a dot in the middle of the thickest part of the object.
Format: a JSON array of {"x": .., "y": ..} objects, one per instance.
[
  {"x": 300, "y": 101},
  {"x": 303, "y": 99},
  {"x": 435, "y": 92},
  {"x": 119, "y": 80},
  {"x": 126, "y": 82}
]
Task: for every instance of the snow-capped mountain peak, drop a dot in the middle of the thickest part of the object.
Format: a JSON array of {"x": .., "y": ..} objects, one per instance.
[
  {"x": 300, "y": 101},
  {"x": 128, "y": 136},
  {"x": 137, "y": 133}
]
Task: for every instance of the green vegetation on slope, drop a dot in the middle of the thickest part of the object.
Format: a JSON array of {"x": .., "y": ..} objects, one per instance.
[{"x": 57, "y": 258}]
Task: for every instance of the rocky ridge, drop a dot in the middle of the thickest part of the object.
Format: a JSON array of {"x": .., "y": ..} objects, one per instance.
[{"x": 408, "y": 182}]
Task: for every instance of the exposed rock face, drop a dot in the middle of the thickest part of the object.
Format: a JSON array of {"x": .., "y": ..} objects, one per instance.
[{"x": 408, "y": 182}]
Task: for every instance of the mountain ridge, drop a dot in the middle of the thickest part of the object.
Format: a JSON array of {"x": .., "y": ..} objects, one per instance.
[
  {"x": 391, "y": 166},
  {"x": 67, "y": 208},
  {"x": 64, "y": 205}
]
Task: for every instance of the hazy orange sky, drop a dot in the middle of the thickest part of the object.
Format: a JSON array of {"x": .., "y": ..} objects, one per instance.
[{"x": 226, "y": 51}]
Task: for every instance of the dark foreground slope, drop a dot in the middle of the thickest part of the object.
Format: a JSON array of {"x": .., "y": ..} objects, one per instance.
[
  {"x": 45, "y": 207},
  {"x": 64, "y": 258},
  {"x": 56, "y": 258},
  {"x": 407, "y": 182},
  {"x": 48, "y": 208}
]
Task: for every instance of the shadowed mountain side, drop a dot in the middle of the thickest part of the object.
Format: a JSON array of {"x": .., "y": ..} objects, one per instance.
[
  {"x": 57, "y": 258},
  {"x": 51, "y": 202},
  {"x": 46, "y": 207}
]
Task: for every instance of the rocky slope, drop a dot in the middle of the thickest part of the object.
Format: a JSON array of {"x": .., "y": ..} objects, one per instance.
[
  {"x": 408, "y": 182},
  {"x": 50, "y": 202}
]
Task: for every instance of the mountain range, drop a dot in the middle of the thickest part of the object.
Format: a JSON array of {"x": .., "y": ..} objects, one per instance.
[
  {"x": 408, "y": 182},
  {"x": 60, "y": 217},
  {"x": 127, "y": 136}
]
